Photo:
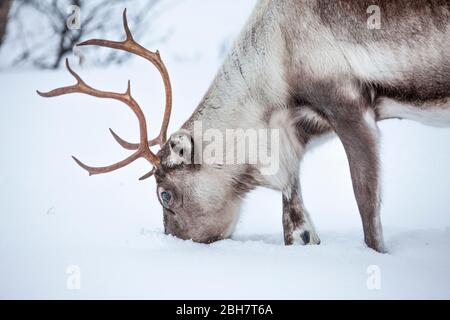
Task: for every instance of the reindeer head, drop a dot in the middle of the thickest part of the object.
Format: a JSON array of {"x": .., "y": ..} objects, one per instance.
[{"x": 197, "y": 203}]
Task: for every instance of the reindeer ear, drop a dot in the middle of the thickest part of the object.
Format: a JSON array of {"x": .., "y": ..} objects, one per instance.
[{"x": 181, "y": 148}]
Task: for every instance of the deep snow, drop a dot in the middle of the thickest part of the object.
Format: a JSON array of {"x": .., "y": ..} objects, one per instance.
[{"x": 52, "y": 215}]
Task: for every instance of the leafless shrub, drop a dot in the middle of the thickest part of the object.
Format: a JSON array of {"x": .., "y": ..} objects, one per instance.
[{"x": 42, "y": 32}]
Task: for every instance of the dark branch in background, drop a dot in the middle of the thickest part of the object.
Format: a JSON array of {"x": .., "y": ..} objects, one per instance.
[
  {"x": 97, "y": 18},
  {"x": 5, "y": 6},
  {"x": 67, "y": 40}
]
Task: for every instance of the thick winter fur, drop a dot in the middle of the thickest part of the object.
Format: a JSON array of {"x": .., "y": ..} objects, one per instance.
[{"x": 310, "y": 68}]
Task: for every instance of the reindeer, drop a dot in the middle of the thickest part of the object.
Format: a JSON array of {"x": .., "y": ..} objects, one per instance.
[{"x": 308, "y": 68}]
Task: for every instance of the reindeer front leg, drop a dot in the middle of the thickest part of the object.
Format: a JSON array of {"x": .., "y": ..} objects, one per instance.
[
  {"x": 298, "y": 227},
  {"x": 359, "y": 134}
]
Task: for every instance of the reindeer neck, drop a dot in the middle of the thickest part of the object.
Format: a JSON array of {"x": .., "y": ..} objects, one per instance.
[{"x": 250, "y": 82}]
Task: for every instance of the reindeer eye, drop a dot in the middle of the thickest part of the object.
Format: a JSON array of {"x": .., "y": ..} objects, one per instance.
[{"x": 166, "y": 198}]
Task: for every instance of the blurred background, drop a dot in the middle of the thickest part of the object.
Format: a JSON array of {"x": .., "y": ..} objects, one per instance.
[
  {"x": 41, "y": 34},
  {"x": 52, "y": 215}
]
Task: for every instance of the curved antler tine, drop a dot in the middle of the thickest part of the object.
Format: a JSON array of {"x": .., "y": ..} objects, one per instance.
[
  {"x": 112, "y": 44},
  {"x": 128, "y": 92},
  {"x": 147, "y": 175},
  {"x": 123, "y": 143},
  {"x": 125, "y": 25},
  {"x": 59, "y": 91},
  {"x": 157, "y": 141},
  {"x": 64, "y": 90},
  {"x": 100, "y": 170},
  {"x": 133, "y": 146},
  {"x": 73, "y": 73}
]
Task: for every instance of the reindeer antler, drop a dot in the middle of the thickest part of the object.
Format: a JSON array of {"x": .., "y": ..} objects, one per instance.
[
  {"x": 143, "y": 148},
  {"x": 130, "y": 45}
]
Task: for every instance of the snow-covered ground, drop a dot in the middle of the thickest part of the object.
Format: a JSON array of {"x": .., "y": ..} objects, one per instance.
[{"x": 58, "y": 225}]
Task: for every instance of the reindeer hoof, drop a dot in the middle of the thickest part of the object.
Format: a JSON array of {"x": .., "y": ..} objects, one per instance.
[{"x": 304, "y": 237}]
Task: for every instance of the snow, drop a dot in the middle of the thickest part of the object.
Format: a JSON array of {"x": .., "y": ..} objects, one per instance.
[{"x": 53, "y": 216}]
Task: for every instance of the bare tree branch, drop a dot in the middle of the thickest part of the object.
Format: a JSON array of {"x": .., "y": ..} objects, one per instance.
[
  {"x": 48, "y": 48},
  {"x": 5, "y": 6}
]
